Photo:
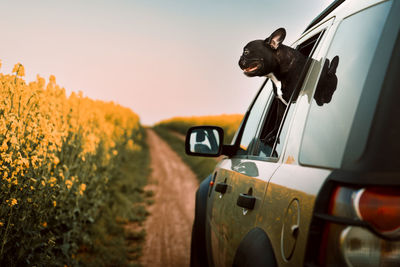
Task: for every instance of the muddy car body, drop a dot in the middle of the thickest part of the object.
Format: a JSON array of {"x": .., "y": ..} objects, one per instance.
[{"x": 326, "y": 193}]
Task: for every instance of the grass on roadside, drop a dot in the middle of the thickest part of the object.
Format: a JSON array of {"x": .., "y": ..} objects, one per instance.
[{"x": 115, "y": 244}]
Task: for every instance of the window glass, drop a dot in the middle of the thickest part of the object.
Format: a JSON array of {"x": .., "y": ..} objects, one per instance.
[
  {"x": 339, "y": 88},
  {"x": 248, "y": 138},
  {"x": 284, "y": 131}
]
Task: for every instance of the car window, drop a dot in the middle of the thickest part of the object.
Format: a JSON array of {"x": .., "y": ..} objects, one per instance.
[
  {"x": 333, "y": 107},
  {"x": 250, "y": 129},
  {"x": 275, "y": 127}
]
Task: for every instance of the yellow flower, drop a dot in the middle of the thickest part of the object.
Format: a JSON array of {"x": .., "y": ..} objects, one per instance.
[
  {"x": 19, "y": 69},
  {"x": 52, "y": 79},
  {"x": 52, "y": 181},
  {"x": 13, "y": 202},
  {"x": 82, "y": 189},
  {"x": 1, "y": 224},
  {"x": 54, "y": 203},
  {"x": 115, "y": 152},
  {"x": 16, "y": 67},
  {"x": 14, "y": 140},
  {"x": 56, "y": 160},
  {"x": 68, "y": 183},
  {"x": 44, "y": 224},
  {"x": 4, "y": 146},
  {"x": 25, "y": 162}
]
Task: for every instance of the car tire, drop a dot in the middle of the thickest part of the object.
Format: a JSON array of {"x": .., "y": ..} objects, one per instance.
[
  {"x": 198, "y": 252},
  {"x": 255, "y": 250}
]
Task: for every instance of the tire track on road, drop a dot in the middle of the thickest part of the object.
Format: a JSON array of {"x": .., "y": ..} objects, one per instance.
[{"x": 169, "y": 226}]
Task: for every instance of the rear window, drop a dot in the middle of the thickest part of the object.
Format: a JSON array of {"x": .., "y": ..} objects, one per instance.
[{"x": 335, "y": 102}]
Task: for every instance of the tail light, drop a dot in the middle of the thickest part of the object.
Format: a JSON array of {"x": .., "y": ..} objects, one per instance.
[
  {"x": 381, "y": 208},
  {"x": 363, "y": 228}
]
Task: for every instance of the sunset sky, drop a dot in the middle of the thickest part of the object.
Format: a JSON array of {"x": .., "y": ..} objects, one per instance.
[{"x": 160, "y": 58}]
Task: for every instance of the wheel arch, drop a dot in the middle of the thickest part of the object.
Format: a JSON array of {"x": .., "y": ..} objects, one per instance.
[
  {"x": 198, "y": 250},
  {"x": 255, "y": 250}
]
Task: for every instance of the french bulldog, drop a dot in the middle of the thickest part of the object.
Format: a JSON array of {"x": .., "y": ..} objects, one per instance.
[
  {"x": 270, "y": 58},
  {"x": 283, "y": 65}
]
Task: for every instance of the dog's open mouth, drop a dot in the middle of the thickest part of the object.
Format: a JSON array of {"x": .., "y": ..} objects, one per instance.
[{"x": 253, "y": 67}]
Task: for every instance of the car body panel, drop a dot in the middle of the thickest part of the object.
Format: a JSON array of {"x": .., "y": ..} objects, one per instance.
[
  {"x": 230, "y": 223},
  {"x": 289, "y": 203}
]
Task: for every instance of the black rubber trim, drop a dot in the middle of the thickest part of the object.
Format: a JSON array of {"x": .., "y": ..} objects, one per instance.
[
  {"x": 324, "y": 14},
  {"x": 198, "y": 251}
]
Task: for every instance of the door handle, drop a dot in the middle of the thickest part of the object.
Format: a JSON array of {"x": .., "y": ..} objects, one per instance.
[
  {"x": 221, "y": 188},
  {"x": 246, "y": 201}
]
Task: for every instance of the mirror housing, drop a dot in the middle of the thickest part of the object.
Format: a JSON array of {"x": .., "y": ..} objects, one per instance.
[{"x": 206, "y": 141}]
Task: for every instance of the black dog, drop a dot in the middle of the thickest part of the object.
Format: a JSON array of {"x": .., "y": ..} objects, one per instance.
[
  {"x": 270, "y": 58},
  {"x": 284, "y": 66}
]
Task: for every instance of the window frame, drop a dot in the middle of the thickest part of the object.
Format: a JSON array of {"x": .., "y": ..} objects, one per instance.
[{"x": 321, "y": 33}]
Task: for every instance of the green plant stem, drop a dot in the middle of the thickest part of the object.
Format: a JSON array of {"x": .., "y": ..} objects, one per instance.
[{"x": 5, "y": 234}]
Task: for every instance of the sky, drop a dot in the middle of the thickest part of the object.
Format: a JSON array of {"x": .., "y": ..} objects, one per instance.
[{"x": 160, "y": 58}]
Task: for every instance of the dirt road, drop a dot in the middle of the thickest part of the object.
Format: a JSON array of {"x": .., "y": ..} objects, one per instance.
[{"x": 169, "y": 225}]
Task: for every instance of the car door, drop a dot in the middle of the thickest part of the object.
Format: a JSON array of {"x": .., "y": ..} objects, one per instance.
[{"x": 239, "y": 185}]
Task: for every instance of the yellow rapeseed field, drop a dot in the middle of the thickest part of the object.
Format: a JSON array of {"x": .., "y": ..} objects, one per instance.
[{"x": 56, "y": 158}]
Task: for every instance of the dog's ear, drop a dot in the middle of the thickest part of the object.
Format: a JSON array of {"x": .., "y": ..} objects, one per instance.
[{"x": 276, "y": 38}]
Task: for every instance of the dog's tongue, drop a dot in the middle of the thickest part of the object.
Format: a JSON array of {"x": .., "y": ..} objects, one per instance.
[{"x": 250, "y": 69}]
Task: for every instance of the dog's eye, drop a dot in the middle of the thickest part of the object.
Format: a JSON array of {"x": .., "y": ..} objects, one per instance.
[{"x": 246, "y": 52}]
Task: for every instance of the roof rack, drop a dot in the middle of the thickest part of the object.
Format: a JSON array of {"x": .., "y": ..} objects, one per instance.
[{"x": 324, "y": 13}]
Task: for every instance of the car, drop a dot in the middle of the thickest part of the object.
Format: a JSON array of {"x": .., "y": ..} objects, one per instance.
[{"x": 326, "y": 191}]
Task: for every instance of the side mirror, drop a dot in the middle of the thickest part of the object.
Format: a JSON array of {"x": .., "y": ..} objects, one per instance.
[{"x": 204, "y": 141}]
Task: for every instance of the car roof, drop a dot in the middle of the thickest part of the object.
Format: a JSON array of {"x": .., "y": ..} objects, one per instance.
[{"x": 324, "y": 13}]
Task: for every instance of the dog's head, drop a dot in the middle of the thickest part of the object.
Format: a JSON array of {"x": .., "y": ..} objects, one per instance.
[{"x": 259, "y": 56}]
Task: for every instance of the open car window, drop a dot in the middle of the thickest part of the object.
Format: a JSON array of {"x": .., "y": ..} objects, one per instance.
[{"x": 276, "y": 123}]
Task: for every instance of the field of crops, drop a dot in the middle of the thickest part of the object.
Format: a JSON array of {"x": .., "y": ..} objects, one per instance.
[{"x": 64, "y": 165}]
